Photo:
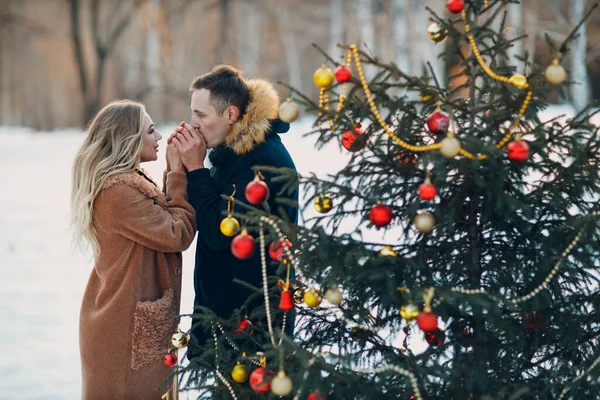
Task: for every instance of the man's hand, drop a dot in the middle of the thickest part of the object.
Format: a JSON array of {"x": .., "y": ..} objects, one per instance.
[
  {"x": 174, "y": 162},
  {"x": 191, "y": 145}
]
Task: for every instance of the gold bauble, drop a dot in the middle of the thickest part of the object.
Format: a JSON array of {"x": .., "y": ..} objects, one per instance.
[
  {"x": 387, "y": 251},
  {"x": 240, "y": 373},
  {"x": 555, "y": 73},
  {"x": 288, "y": 111},
  {"x": 519, "y": 81},
  {"x": 437, "y": 32},
  {"x": 450, "y": 146},
  {"x": 180, "y": 340},
  {"x": 281, "y": 385},
  {"x": 229, "y": 226},
  {"x": 313, "y": 297},
  {"x": 334, "y": 296},
  {"x": 424, "y": 222},
  {"x": 323, "y": 77},
  {"x": 324, "y": 203},
  {"x": 409, "y": 312}
]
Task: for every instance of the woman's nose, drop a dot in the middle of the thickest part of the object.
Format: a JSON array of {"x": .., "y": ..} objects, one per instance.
[{"x": 158, "y": 136}]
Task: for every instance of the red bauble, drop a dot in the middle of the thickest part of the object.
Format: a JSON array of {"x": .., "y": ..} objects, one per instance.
[
  {"x": 242, "y": 246},
  {"x": 257, "y": 191},
  {"x": 435, "y": 338},
  {"x": 535, "y": 321},
  {"x": 349, "y": 137},
  {"x": 315, "y": 396},
  {"x": 438, "y": 123},
  {"x": 427, "y": 191},
  {"x": 518, "y": 150},
  {"x": 456, "y": 6},
  {"x": 277, "y": 253},
  {"x": 259, "y": 382},
  {"x": 169, "y": 359},
  {"x": 245, "y": 327},
  {"x": 427, "y": 321},
  {"x": 342, "y": 74},
  {"x": 407, "y": 159},
  {"x": 380, "y": 215}
]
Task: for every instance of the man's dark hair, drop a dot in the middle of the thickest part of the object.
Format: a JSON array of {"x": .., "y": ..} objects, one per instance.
[{"x": 227, "y": 86}]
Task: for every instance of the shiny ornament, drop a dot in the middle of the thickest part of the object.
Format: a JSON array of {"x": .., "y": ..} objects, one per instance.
[
  {"x": 456, "y": 6},
  {"x": 387, "y": 251},
  {"x": 242, "y": 246},
  {"x": 257, "y": 191},
  {"x": 229, "y": 226},
  {"x": 298, "y": 295},
  {"x": 334, "y": 296},
  {"x": 313, "y": 297},
  {"x": 349, "y": 139},
  {"x": 245, "y": 326},
  {"x": 323, "y": 203},
  {"x": 170, "y": 359},
  {"x": 289, "y": 111},
  {"x": 435, "y": 338},
  {"x": 427, "y": 190},
  {"x": 281, "y": 385},
  {"x": 450, "y": 146},
  {"x": 315, "y": 396},
  {"x": 534, "y": 321},
  {"x": 519, "y": 81},
  {"x": 438, "y": 122},
  {"x": 555, "y": 73},
  {"x": 342, "y": 74},
  {"x": 437, "y": 33},
  {"x": 424, "y": 222},
  {"x": 323, "y": 77},
  {"x": 409, "y": 312},
  {"x": 286, "y": 302},
  {"x": 180, "y": 340},
  {"x": 276, "y": 252},
  {"x": 240, "y": 373},
  {"x": 407, "y": 159},
  {"x": 427, "y": 321},
  {"x": 518, "y": 150},
  {"x": 259, "y": 382},
  {"x": 380, "y": 215}
]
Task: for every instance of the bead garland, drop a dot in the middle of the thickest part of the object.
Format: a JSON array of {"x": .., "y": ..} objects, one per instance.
[
  {"x": 583, "y": 374},
  {"x": 401, "y": 371},
  {"x": 218, "y": 371}
]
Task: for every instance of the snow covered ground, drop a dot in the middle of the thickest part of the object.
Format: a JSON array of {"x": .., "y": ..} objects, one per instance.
[{"x": 42, "y": 278}]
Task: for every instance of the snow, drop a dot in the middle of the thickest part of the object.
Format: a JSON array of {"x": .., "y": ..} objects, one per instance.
[{"x": 42, "y": 278}]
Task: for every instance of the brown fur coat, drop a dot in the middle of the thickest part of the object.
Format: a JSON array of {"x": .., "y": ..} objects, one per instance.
[{"x": 132, "y": 297}]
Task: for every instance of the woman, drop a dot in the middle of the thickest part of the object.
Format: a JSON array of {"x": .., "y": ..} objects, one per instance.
[{"x": 131, "y": 302}]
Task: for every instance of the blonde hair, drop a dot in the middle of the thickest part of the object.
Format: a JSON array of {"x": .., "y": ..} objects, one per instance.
[{"x": 113, "y": 145}]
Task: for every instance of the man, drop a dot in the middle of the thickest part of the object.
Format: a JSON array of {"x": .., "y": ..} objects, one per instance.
[{"x": 237, "y": 119}]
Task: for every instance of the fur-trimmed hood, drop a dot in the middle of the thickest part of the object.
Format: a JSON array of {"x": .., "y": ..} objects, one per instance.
[{"x": 252, "y": 128}]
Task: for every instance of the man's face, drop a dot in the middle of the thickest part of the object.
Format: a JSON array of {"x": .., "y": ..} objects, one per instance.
[{"x": 206, "y": 119}]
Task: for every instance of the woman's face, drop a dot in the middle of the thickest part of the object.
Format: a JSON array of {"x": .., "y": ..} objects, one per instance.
[{"x": 150, "y": 138}]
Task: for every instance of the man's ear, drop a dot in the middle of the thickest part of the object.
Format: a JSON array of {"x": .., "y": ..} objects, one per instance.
[{"x": 233, "y": 114}]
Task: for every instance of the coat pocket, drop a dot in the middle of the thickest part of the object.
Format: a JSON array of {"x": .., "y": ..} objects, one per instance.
[{"x": 153, "y": 325}]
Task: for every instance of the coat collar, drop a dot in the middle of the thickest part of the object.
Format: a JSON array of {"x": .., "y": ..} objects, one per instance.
[
  {"x": 139, "y": 182},
  {"x": 251, "y": 129}
]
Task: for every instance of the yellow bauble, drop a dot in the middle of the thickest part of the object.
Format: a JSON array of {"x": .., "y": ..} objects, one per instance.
[
  {"x": 323, "y": 77},
  {"x": 334, "y": 296},
  {"x": 313, "y": 297},
  {"x": 555, "y": 73},
  {"x": 450, "y": 146},
  {"x": 288, "y": 111},
  {"x": 323, "y": 203},
  {"x": 387, "y": 251},
  {"x": 230, "y": 226},
  {"x": 437, "y": 32},
  {"x": 240, "y": 373},
  {"x": 180, "y": 340},
  {"x": 409, "y": 312},
  {"x": 281, "y": 385},
  {"x": 519, "y": 81},
  {"x": 424, "y": 222}
]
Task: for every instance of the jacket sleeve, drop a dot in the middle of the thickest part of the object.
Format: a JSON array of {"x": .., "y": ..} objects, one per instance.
[
  {"x": 209, "y": 205},
  {"x": 139, "y": 218}
]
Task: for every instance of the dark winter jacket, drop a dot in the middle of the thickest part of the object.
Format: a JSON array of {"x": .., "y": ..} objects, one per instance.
[{"x": 253, "y": 142}]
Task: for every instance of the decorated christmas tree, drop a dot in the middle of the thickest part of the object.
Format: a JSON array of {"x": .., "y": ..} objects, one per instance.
[{"x": 484, "y": 284}]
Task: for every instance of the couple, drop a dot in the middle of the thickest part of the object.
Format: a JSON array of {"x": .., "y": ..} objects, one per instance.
[{"x": 137, "y": 232}]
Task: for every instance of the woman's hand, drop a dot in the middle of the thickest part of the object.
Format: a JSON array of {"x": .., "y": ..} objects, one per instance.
[{"x": 174, "y": 162}]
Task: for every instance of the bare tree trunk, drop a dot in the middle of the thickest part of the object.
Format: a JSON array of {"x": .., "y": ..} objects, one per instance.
[
  {"x": 580, "y": 90},
  {"x": 154, "y": 56},
  {"x": 74, "y": 8},
  {"x": 224, "y": 28},
  {"x": 515, "y": 22},
  {"x": 401, "y": 40},
  {"x": 289, "y": 43},
  {"x": 423, "y": 49},
  {"x": 336, "y": 11},
  {"x": 364, "y": 14},
  {"x": 250, "y": 35}
]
